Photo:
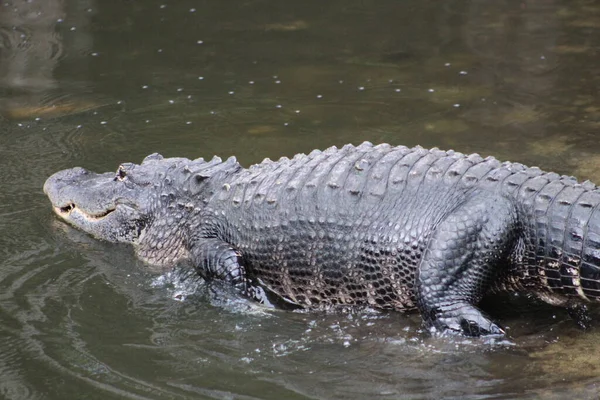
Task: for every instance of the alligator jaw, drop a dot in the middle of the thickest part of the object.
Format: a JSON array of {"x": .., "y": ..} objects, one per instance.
[{"x": 67, "y": 210}]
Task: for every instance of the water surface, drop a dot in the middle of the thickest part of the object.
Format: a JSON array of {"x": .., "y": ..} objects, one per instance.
[{"x": 97, "y": 83}]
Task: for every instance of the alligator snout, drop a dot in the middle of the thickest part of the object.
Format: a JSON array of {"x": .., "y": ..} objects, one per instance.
[{"x": 62, "y": 178}]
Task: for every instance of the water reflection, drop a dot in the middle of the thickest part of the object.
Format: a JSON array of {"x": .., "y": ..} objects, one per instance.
[
  {"x": 514, "y": 41},
  {"x": 79, "y": 317},
  {"x": 32, "y": 46}
]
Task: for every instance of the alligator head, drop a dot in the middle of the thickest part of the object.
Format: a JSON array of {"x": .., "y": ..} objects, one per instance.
[{"x": 145, "y": 204}]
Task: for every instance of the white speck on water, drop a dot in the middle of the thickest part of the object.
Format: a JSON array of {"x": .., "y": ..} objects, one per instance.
[
  {"x": 94, "y": 54},
  {"x": 340, "y": 81},
  {"x": 275, "y": 76},
  {"x": 212, "y": 113},
  {"x": 120, "y": 102},
  {"x": 192, "y": 10},
  {"x": 319, "y": 96},
  {"x": 231, "y": 92},
  {"x": 277, "y": 81},
  {"x": 189, "y": 96},
  {"x": 199, "y": 41},
  {"x": 297, "y": 111},
  {"x": 390, "y": 81},
  {"x": 59, "y": 20},
  {"x": 163, "y": 6},
  {"x": 361, "y": 88},
  {"x": 278, "y": 106},
  {"x": 188, "y": 122},
  {"x": 463, "y": 72},
  {"x": 397, "y": 90},
  {"x": 171, "y": 101},
  {"x": 180, "y": 89},
  {"x": 456, "y": 105},
  {"x": 38, "y": 119},
  {"x": 251, "y": 82},
  {"x": 73, "y": 28},
  {"x": 431, "y": 90},
  {"x": 147, "y": 121},
  {"x": 79, "y": 126},
  {"x": 200, "y": 78},
  {"x": 447, "y": 65},
  {"x": 145, "y": 87},
  {"x": 285, "y": 123},
  {"x": 159, "y": 50},
  {"x": 346, "y": 343},
  {"x": 103, "y": 122},
  {"x": 542, "y": 57}
]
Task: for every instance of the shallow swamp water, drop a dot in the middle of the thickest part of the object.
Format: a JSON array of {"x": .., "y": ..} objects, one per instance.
[{"x": 97, "y": 83}]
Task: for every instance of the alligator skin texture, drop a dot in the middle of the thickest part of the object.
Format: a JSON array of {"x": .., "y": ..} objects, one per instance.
[{"x": 380, "y": 226}]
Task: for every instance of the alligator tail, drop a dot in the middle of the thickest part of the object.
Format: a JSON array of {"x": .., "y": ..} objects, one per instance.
[{"x": 566, "y": 238}]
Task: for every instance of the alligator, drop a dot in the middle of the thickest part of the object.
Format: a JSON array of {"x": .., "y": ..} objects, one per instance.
[{"x": 358, "y": 226}]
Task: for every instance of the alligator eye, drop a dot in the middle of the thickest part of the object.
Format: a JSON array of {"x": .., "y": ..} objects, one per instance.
[{"x": 121, "y": 174}]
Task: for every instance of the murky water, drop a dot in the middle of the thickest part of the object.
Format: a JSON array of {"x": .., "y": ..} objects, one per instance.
[{"x": 95, "y": 83}]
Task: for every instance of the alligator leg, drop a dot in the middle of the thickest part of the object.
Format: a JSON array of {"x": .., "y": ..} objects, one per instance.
[
  {"x": 579, "y": 313},
  {"x": 216, "y": 259},
  {"x": 461, "y": 261}
]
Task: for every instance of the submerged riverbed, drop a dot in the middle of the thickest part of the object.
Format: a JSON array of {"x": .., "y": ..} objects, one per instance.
[{"x": 94, "y": 84}]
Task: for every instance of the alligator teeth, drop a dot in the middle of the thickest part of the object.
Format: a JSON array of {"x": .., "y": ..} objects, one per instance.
[
  {"x": 71, "y": 207},
  {"x": 67, "y": 209}
]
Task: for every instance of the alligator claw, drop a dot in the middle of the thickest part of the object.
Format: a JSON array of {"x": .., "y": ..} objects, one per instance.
[{"x": 468, "y": 321}]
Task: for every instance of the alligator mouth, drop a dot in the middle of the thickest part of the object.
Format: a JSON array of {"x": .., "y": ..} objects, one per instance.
[
  {"x": 70, "y": 208},
  {"x": 66, "y": 209}
]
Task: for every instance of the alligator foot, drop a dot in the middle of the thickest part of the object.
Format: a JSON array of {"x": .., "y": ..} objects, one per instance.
[
  {"x": 579, "y": 313},
  {"x": 463, "y": 319}
]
